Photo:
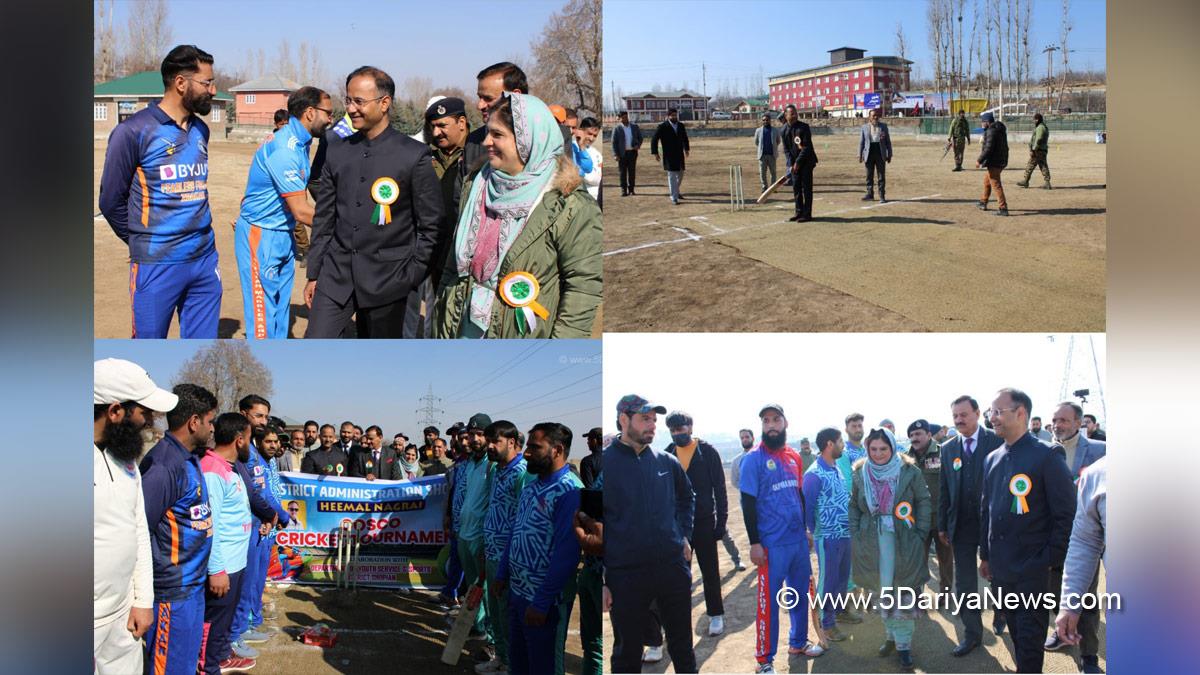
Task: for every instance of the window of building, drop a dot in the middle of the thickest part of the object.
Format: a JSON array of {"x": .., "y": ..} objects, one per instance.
[
  {"x": 216, "y": 114},
  {"x": 249, "y": 99},
  {"x": 99, "y": 112}
]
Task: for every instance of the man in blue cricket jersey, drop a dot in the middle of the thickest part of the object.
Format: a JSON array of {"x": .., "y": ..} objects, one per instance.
[
  {"x": 510, "y": 477},
  {"x": 773, "y": 507},
  {"x": 180, "y": 522},
  {"x": 542, "y": 552},
  {"x": 154, "y": 195},
  {"x": 275, "y": 202}
]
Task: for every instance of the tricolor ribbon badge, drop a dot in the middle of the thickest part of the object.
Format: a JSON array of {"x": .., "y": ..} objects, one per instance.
[
  {"x": 339, "y": 469},
  {"x": 385, "y": 192},
  {"x": 370, "y": 464},
  {"x": 329, "y": 468},
  {"x": 519, "y": 290},
  {"x": 957, "y": 463},
  {"x": 904, "y": 512},
  {"x": 1019, "y": 486}
]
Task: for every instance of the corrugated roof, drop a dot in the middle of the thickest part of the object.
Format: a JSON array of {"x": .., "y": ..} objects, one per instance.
[
  {"x": 267, "y": 83},
  {"x": 678, "y": 93},
  {"x": 147, "y": 83}
]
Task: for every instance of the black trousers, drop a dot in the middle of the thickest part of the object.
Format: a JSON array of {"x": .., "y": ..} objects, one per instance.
[
  {"x": 218, "y": 617},
  {"x": 627, "y": 165},
  {"x": 670, "y": 587},
  {"x": 1089, "y": 619},
  {"x": 328, "y": 320},
  {"x": 966, "y": 581},
  {"x": 704, "y": 552},
  {"x": 875, "y": 164},
  {"x": 1027, "y": 625},
  {"x": 802, "y": 188}
]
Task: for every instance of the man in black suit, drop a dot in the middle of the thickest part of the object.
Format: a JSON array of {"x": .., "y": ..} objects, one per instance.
[
  {"x": 375, "y": 461},
  {"x": 325, "y": 460},
  {"x": 673, "y": 136},
  {"x": 802, "y": 158},
  {"x": 1025, "y": 520},
  {"x": 347, "y": 444},
  {"x": 379, "y": 207},
  {"x": 958, "y": 510},
  {"x": 626, "y": 139},
  {"x": 493, "y": 83}
]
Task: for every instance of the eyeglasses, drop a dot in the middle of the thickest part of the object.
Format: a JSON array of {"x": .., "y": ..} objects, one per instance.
[
  {"x": 992, "y": 412},
  {"x": 327, "y": 112},
  {"x": 359, "y": 102},
  {"x": 207, "y": 84}
]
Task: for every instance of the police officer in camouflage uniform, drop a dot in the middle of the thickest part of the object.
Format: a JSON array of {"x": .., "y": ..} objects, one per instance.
[
  {"x": 1039, "y": 144},
  {"x": 960, "y": 137}
]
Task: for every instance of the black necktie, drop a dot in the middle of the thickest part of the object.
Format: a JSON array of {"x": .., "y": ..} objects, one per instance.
[{"x": 967, "y": 447}]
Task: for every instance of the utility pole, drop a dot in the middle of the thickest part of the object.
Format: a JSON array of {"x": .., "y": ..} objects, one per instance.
[
  {"x": 429, "y": 412},
  {"x": 1049, "y": 52}
]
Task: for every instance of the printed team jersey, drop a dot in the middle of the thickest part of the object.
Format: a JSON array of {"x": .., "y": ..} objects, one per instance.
[
  {"x": 458, "y": 475},
  {"x": 231, "y": 515},
  {"x": 502, "y": 507},
  {"x": 177, "y": 511},
  {"x": 279, "y": 170},
  {"x": 543, "y": 551},
  {"x": 154, "y": 189},
  {"x": 260, "y": 472},
  {"x": 825, "y": 489},
  {"x": 773, "y": 479}
]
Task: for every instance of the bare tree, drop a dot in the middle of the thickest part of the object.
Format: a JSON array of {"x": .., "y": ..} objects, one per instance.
[
  {"x": 417, "y": 89},
  {"x": 285, "y": 65},
  {"x": 901, "y": 42},
  {"x": 229, "y": 370},
  {"x": 567, "y": 57},
  {"x": 148, "y": 35},
  {"x": 104, "y": 64},
  {"x": 1063, "y": 37}
]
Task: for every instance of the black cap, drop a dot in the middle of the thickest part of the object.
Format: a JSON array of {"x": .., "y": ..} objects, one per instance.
[
  {"x": 445, "y": 108},
  {"x": 595, "y": 432},
  {"x": 919, "y": 424},
  {"x": 772, "y": 406},
  {"x": 479, "y": 421}
]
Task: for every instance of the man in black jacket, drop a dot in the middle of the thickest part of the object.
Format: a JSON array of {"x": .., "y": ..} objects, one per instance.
[
  {"x": 648, "y": 512},
  {"x": 993, "y": 157},
  {"x": 626, "y": 140},
  {"x": 375, "y": 461},
  {"x": 591, "y": 465},
  {"x": 327, "y": 460},
  {"x": 961, "y": 481},
  {"x": 379, "y": 209},
  {"x": 1025, "y": 520},
  {"x": 702, "y": 464},
  {"x": 802, "y": 157},
  {"x": 675, "y": 149}
]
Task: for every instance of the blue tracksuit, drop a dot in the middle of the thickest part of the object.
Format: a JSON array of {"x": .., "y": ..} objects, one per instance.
[
  {"x": 829, "y": 522},
  {"x": 263, "y": 235},
  {"x": 154, "y": 195},
  {"x": 249, "y": 607}
]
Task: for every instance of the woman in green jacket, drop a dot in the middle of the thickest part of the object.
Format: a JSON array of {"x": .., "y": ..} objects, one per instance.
[
  {"x": 525, "y": 260},
  {"x": 890, "y": 516}
]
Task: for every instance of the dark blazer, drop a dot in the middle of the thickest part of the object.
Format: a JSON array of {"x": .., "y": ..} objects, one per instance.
[
  {"x": 994, "y": 149},
  {"x": 708, "y": 482},
  {"x": 1087, "y": 451},
  {"x": 802, "y": 152},
  {"x": 316, "y": 461},
  {"x": 951, "y": 480},
  {"x": 674, "y": 144},
  {"x": 388, "y": 468},
  {"x": 380, "y": 264},
  {"x": 618, "y": 139},
  {"x": 1025, "y": 546}
]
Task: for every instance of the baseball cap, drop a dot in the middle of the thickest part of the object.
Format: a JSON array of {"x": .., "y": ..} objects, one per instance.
[
  {"x": 479, "y": 421},
  {"x": 632, "y": 404},
  {"x": 919, "y": 424},
  {"x": 987, "y": 117},
  {"x": 772, "y": 406},
  {"x": 118, "y": 381},
  {"x": 677, "y": 419},
  {"x": 594, "y": 432}
]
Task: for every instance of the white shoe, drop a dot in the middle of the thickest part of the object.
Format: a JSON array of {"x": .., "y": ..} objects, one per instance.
[
  {"x": 652, "y": 655},
  {"x": 491, "y": 666},
  {"x": 765, "y": 668},
  {"x": 716, "y": 625}
]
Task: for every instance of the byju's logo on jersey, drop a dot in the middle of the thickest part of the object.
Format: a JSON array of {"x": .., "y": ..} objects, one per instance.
[
  {"x": 199, "y": 512},
  {"x": 181, "y": 171},
  {"x": 167, "y": 172}
]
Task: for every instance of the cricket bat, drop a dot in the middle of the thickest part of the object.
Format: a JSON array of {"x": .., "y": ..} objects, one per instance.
[
  {"x": 462, "y": 625},
  {"x": 946, "y": 151},
  {"x": 814, "y": 616},
  {"x": 772, "y": 188}
]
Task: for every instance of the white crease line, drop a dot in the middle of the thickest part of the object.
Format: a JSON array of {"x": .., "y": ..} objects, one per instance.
[
  {"x": 698, "y": 237},
  {"x": 686, "y": 232}
]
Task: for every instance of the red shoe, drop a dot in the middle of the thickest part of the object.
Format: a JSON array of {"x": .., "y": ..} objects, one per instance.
[{"x": 236, "y": 664}]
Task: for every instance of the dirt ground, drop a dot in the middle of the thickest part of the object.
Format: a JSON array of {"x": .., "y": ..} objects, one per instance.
[
  {"x": 382, "y": 627},
  {"x": 926, "y": 261},
  {"x": 934, "y": 639},
  {"x": 229, "y": 164}
]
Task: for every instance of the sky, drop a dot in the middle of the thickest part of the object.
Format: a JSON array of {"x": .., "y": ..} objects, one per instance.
[
  {"x": 380, "y": 382},
  {"x": 665, "y": 42},
  {"x": 447, "y": 42},
  {"x": 820, "y": 378}
]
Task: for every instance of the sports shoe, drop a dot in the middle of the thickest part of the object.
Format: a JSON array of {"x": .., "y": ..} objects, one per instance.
[
  {"x": 716, "y": 625},
  {"x": 810, "y": 649},
  {"x": 654, "y": 655},
  {"x": 1091, "y": 664},
  {"x": 869, "y": 197},
  {"x": 835, "y": 634},
  {"x": 982, "y": 206},
  {"x": 235, "y": 664},
  {"x": 1054, "y": 643},
  {"x": 243, "y": 650},
  {"x": 253, "y": 636},
  {"x": 1001, "y": 212},
  {"x": 739, "y": 566},
  {"x": 767, "y": 667},
  {"x": 490, "y": 666}
]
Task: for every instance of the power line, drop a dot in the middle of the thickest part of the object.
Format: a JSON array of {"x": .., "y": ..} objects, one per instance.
[
  {"x": 523, "y": 404},
  {"x": 535, "y": 380},
  {"x": 528, "y": 351}
]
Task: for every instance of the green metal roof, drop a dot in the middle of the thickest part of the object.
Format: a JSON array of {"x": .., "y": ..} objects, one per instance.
[{"x": 148, "y": 83}]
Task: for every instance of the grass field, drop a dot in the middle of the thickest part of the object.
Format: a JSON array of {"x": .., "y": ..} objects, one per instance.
[
  {"x": 926, "y": 261},
  {"x": 935, "y": 636}
]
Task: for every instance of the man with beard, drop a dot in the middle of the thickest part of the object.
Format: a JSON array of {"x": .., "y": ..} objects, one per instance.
[
  {"x": 291, "y": 457},
  {"x": 177, "y": 512},
  {"x": 928, "y": 457},
  {"x": 511, "y": 476},
  {"x": 125, "y": 400},
  {"x": 649, "y": 508},
  {"x": 154, "y": 195},
  {"x": 274, "y": 207},
  {"x": 853, "y": 449},
  {"x": 1094, "y": 431},
  {"x": 775, "y": 511},
  {"x": 806, "y": 454},
  {"x": 958, "y": 513},
  {"x": 327, "y": 460},
  {"x": 590, "y": 466},
  {"x": 542, "y": 554},
  {"x": 232, "y": 530},
  {"x": 1026, "y": 511},
  {"x": 312, "y": 436},
  {"x": 425, "y": 452},
  {"x": 473, "y": 487},
  {"x": 673, "y": 135},
  {"x": 829, "y": 525},
  {"x": 1039, "y": 432},
  {"x": 348, "y": 444}
]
